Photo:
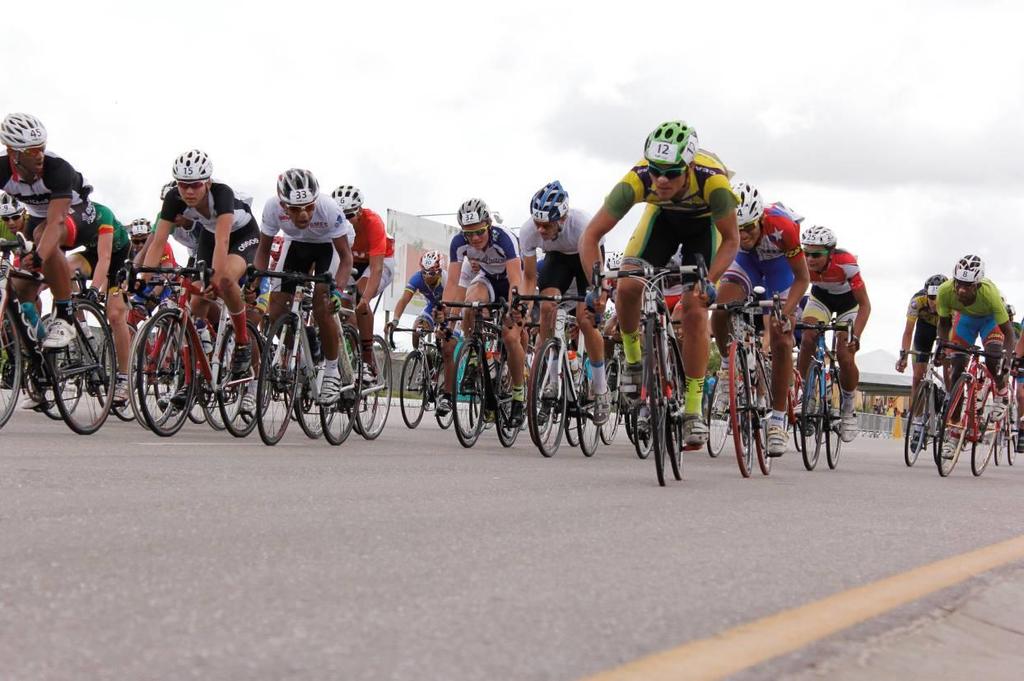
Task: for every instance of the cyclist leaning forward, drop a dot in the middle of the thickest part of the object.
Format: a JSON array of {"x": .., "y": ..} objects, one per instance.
[
  {"x": 429, "y": 281},
  {"x": 690, "y": 206},
  {"x": 484, "y": 266},
  {"x": 373, "y": 257},
  {"x": 836, "y": 289},
  {"x": 769, "y": 257},
  {"x": 921, "y": 330},
  {"x": 317, "y": 240},
  {"x": 228, "y": 238},
  {"x": 970, "y": 306},
  {"x": 556, "y": 229}
]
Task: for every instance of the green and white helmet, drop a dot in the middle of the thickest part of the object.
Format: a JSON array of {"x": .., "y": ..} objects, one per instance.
[{"x": 673, "y": 143}]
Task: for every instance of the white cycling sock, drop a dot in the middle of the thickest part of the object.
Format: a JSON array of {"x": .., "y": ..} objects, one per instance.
[
  {"x": 778, "y": 418},
  {"x": 598, "y": 379},
  {"x": 552, "y": 369},
  {"x": 331, "y": 367}
]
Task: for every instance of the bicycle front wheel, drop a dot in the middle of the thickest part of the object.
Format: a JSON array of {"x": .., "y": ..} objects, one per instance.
[
  {"x": 811, "y": 421},
  {"x": 278, "y": 379},
  {"x": 337, "y": 420},
  {"x": 545, "y": 415},
  {"x": 833, "y": 419},
  {"x": 653, "y": 402},
  {"x": 375, "y": 402},
  {"x": 413, "y": 390},
  {"x": 916, "y": 436},
  {"x": 507, "y": 432},
  {"x": 236, "y": 398},
  {"x": 955, "y": 424},
  {"x": 611, "y": 427},
  {"x": 11, "y": 366},
  {"x": 741, "y": 408},
  {"x": 469, "y": 393},
  {"x": 85, "y": 371}
]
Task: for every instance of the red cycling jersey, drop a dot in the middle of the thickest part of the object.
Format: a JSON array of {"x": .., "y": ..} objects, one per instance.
[
  {"x": 167, "y": 259},
  {"x": 371, "y": 237},
  {"x": 842, "y": 275}
]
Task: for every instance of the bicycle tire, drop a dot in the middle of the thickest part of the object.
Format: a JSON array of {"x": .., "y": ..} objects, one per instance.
[
  {"x": 717, "y": 420},
  {"x": 278, "y": 379},
  {"x": 960, "y": 394},
  {"x": 230, "y": 398},
  {"x": 469, "y": 416},
  {"x": 762, "y": 376},
  {"x": 811, "y": 420},
  {"x": 981, "y": 452},
  {"x": 587, "y": 435},
  {"x": 507, "y": 433},
  {"x": 740, "y": 405},
  {"x": 675, "y": 408},
  {"x": 833, "y": 419},
  {"x": 412, "y": 403},
  {"x": 96, "y": 385},
  {"x": 338, "y": 420},
  {"x": 920, "y": 408},
  {"x": 545, "y": 431},
  {"x": 653, "y": 399},
  {"x": 610, "y": 428},
  {"x": 375, "y": 402},
  {"x": 12, "y": 366}
]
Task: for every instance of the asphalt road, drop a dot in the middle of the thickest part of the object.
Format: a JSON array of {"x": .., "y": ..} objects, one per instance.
[{"x": 126, "y": 556}]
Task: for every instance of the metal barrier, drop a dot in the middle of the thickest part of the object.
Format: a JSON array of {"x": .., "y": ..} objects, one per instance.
[{"x": 875, "y": 425}]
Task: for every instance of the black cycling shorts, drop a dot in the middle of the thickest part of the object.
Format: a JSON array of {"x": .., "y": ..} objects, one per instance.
[
  {"x": 243, "y": 243},
  {"x": 306, "y": 258},
  {"x": 661, "y": 233},
  {"x": 924, "y": 340},
  {"x": 560, "y": 271}
]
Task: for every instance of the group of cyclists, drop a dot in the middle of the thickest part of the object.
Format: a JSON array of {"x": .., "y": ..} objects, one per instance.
[{"x": 726, "y": 242}]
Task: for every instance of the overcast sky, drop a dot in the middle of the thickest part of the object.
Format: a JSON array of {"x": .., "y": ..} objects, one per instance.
[{"x": 896, "y": 124}]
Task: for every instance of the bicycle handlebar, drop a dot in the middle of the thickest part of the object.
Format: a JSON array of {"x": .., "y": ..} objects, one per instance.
[
  {"x": 18, "y": 243},
  {"x": 324, "y": 278}
]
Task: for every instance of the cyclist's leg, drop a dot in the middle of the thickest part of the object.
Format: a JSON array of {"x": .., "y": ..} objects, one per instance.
[
  {"x": 814, "y": 312},
  {"x": 736, "y": 284},
  {"x": 48, "y": 243},
  {"x": 655, "y": 243},
  {"x": 697, "y": 239},
  {"x": 924, "y": 339}
]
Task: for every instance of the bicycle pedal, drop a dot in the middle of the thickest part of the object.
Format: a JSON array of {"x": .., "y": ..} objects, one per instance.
[{"x": 691, "y": 448}]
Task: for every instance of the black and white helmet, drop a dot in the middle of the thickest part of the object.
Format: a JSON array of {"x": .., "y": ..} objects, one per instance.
[
  {"x": 10, "y": 207},
  {"x": 970, "y": 269},
  {"x": 166, "y": 189},
  {"x": 931, "y": 286},
  {"x": 297, "y": 187},
  {"x": 614, "y": 260},
  {"x": 192, "y": 166},
  {"x": 349, "y": 198},
  {"x": 817, "y": 235},
  {"x": 751, "y": 206},
  {"x": 139, "y": 227},
  {"x": 473, "y": 211},
  {"x": 22, "y": 131}
]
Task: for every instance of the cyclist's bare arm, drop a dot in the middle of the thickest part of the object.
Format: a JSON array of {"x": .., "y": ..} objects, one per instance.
[
  {"x": 590, "y": 241},
  {"x": 729, "y": 230},
  {"x": 863, "y": 310},
  {"x": 801, "y": 282},
  {"x": 344, "y": 250},
  {"x": 402, "y": 303},
  {"x": 159, "y": 240},
  {"x": 104, "y": 248},
  {"x": 514, "y": 270},
  {"x": 262, "y": 258}
]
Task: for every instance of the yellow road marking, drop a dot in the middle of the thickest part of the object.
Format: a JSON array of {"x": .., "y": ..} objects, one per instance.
[{"x": 741, "y": 647}]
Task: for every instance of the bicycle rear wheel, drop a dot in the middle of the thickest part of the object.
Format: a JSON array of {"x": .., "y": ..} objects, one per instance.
[
  {"x": 675, "y": 394},
  {"x": 717, "y": 418},
  {"x": 236, "y": 399},
  {"x": 545, "y": 416},
  {"x": 85, "y": 371},
  {"x": 337, "y": 420},
  {"x": 653, "y": 399},
  {"x": 588, "y": 433},
  {"x": 762, "y": 402},
  {"x": 11, "y": 366},
  {"x": 611, "y": 427},
  {"x": 435, "y": 363},
  {"x": 375, "y": 402},
  {"x": 413, "y": 390},
  {"x": 278, "y": 379},
  {"x": 469, "y": 393}
]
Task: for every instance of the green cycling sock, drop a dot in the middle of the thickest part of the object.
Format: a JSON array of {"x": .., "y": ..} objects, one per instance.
[{"x": 631, "y": 346}]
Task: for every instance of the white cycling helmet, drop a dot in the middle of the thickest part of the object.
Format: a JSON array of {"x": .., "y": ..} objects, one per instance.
[
  {"x": 473, "y": 212},
  {"x": 22, "y": 131},
  {"x": 139, "y": 227},
  {"x": 970, "y": 269},
  {"x": 10, "y": 207},
  {"x": 751, "y": 206},
  {"x": 817, "y": 235},
  {"x": 614, "y": 260},
  {"x": 192, "y": 166},
  {"x": 297, "y": 187},
  {"x": 432, "y": 262},
  {"x": 349, "y": 198}
]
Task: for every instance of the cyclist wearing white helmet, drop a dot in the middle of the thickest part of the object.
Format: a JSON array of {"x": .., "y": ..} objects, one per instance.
[
  {"x": 970, "y": 307},
  {"x": 688, "y": 199},
  {"x": 921, "y": 329},
  {"x": 373, "y": 258},
  {"x": 769, "y": 257},
  {"x": 12, "y": 216},
  {"x": 836, "y": 289},
  {"x": 56, "y": 198},
  {"x": 555, "y": 229},
  {"x": 227, "y": 241},
  {"x": 317, "y": 240},
  {"x": 484, "y": 266},
  {"x": 429, "y": 281}
]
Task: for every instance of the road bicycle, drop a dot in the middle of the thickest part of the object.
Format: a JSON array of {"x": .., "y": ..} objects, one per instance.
[
  {"x": 922, "y": 428},
  {"x": 820, "y": 417},
  {"x": 422, "y": 379}
]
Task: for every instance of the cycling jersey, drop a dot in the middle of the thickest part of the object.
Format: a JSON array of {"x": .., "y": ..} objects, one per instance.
[
  {"x": 371, "y": 238},
  {"x": 987, "y": 303},
  {"x": 500, "y": 248},
  {"x": 58, "y": 181},
  {"x": 841, "y": 275},
  {"x": 567, "y": 240},
  {"x": 707, "y": 193},
  {"x": 418, "y": 284},
  {"x": 327, "y": 224},
  {"x": 919, "y": 311},
  {"x": 780, "y": 234},
  {"x": 767, "y": 263},
  {"x": 221, "y": 200},
  {"x": 186, "y": 236},
  {"x": 95, "y": 220},
  {"x": 168, "y": 259}
]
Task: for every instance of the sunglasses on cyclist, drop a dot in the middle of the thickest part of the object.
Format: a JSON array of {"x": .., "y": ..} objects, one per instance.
[
  {"x": 815, "y": 254},
  {"x": 182, "y": 185},
  {"x": 667, "y": 173},
  {"x": 34, "y": 151},
  {"x": 12, "y": 218},
  {"x": 471, "y": 233},
  {"x": 749, "y": 227}
]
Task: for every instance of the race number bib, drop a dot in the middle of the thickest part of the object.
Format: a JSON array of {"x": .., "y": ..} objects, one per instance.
[
  {"x": 299, "y": 197},
  {"x": 663, "y": 152},
  {"x": 471, "y": 217}
]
